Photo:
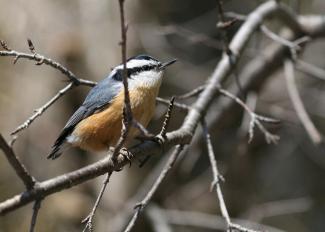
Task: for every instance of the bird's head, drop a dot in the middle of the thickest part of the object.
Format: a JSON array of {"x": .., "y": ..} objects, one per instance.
[{"x": 142, "y": 70}]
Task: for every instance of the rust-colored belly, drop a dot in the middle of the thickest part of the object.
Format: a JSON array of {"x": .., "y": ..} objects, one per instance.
[{"x": 102, "y": 130}]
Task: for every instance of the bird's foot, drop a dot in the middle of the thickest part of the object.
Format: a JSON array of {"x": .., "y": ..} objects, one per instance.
[{"x": 126, "y": 154}]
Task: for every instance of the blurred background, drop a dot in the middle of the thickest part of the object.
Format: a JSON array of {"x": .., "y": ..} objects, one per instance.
[{"x": 276, "y": 185}]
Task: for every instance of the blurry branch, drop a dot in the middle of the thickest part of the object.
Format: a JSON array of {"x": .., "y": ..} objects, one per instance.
[
  {"x": 19, "y": 168},
  {"x": 193, "y": 37},
  {"x": 158, "y": 220},
  {"x": 294, "y": 46},
  {"x": 141, "y": 205},
  {"x": 312, "y": 131},
  {"x": 207, "y": 221},
  {"x": 255, "y": 119},
  {"x": 251, "y": 101},
  {"x": 181, "y": 106},
  {"x": 216, "y": 183},
  {"x": 259, "y": 67},
  {"x": 310, "y": 69},
  {"x": 278, "y": 208}
]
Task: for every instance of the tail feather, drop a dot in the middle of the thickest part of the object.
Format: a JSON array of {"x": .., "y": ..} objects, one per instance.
[
  {"x": 60, "y": 144},
  {"x": 57, "y": 150}
]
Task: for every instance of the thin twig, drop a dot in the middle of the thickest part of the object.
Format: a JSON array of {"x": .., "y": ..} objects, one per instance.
[
  {"x": 181, "y": 106},
  {"x": 192, "y": 93},
  {"x": 89, "y": 219},
  {"x": 158, "y": 220},
  {"x": 255, "y": 119},
  {"x": 141, "y": 205},
  {"x": 165, "y": 125},
  {"x": 206, "y": 221},
  {"x": 294, "y": 46},
  {"x": 310, "y": 69},
  {"x": 36, "y": 207},
  {"x": 19, "y": 168},
  {"x": 312, "y": 131},
  {"x": 40, "y": 59},
  {"x": 40, "y": 111},
  {"x": 127, "y": 112},
  {"x": 216, "y": 182}
]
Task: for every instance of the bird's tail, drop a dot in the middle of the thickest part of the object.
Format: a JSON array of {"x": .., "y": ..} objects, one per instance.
[{"x": 57, "y": 149}]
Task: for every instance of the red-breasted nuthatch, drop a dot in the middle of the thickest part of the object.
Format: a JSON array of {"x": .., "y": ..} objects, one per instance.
[{"x": 97, "y": 124}]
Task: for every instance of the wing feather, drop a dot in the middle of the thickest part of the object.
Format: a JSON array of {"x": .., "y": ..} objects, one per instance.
[{"x": 98, "y": 98}]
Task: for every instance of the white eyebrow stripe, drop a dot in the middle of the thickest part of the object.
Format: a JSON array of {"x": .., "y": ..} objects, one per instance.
[{"x": 137, "y": 63}]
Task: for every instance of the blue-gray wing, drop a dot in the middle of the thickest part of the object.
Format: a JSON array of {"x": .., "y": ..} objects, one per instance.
[{"x": 98, "y": 98}]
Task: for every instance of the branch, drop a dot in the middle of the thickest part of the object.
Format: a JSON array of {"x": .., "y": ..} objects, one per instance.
[
  {"x": 184, "y": 134},
  {"x": 127, "y": 112},
  {"x": 141, "y": 205},
  {"x": 255, "y": 119},
  {"x": 19, "y": 168},
  {"x": 89, "y": 219},
  {"x": 312, "y": 131},
  {"x": 207, "y": 221},
  {"x": 41, "y": 110},
  {"x": 36, "y": 207},
  {"x": 310, "y": 69},
  {"x": 216, "y": 183},
  {"x": 40, "y": 59}
]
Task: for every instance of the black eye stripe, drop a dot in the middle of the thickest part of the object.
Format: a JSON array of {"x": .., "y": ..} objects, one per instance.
[{"x": 132, "y": 71}]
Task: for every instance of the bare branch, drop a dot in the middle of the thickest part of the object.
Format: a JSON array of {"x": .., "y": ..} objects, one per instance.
[
  {"x": 312, "y": 131},
  {"x": 40, "y": 59},
  {"x": 36, "y": 207},
  {"x": 183, "y": 135},
  {"x": 89, "y": 219},
  {"x": 164, "y": 127},
  {"x": 19, "y": 168},
  {"x": 181, "y": 106},
  {"x": 40, "y": 111},
  {"x": 141, "y": 205},
  {"x": 192, "y": 93},
  {"x": 207, "y": 221},
  {"x": 255, "y": 119},
  {"x": 310, "y": 69},
  {"x": 158, "y": 220},
  {"x": 127, "y": 112},
  {"x": 216, "y": 183}
]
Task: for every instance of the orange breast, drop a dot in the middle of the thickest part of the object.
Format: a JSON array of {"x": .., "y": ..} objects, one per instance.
[{"x": 102, "y": 130}]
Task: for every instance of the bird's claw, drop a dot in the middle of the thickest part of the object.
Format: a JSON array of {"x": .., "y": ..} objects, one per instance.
[{"x": 127, "y": 155}]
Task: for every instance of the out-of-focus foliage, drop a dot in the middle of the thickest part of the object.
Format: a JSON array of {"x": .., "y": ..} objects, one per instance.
[{"x": 83, "y": 35}]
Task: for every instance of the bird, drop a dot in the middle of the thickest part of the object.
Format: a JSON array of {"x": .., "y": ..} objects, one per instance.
[{"x": 96, "y": 125}]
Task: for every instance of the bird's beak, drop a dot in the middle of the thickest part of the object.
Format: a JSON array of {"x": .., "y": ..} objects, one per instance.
[{"x": 164, "y": 65}]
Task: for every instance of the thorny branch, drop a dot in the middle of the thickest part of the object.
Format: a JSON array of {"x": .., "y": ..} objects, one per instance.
[{"x": 196, "y": 112}]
